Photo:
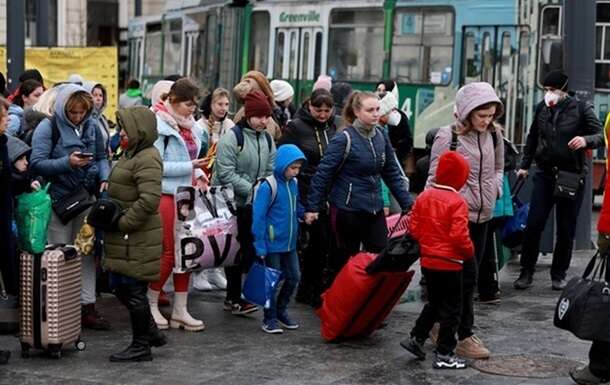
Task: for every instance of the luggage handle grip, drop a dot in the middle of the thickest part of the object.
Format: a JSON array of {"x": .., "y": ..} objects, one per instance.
[
  {"x": 70, "y": 252},
  {"x": 402, "y": 215}
]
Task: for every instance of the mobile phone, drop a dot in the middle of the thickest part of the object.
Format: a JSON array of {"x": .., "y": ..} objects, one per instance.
[{"x": 85, "y": 155}]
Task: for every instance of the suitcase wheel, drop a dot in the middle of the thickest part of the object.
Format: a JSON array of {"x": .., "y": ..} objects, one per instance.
[
  {"x": 80, "y": 345},
  {"x": 25, "y": 350}
]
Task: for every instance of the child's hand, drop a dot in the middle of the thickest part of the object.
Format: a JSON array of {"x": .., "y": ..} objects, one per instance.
[
  {"x": 203, "y": 182},
  {"x": 35, "y": 185},
  {"x": 310, "y": 217}
]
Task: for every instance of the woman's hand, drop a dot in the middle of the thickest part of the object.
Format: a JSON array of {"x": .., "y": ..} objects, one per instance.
[
  {"x": 198, "y": 163},
  {"x": 310, "y": 217},
  {"x": 522, "y": 174},
  {"x": 35, "y": 185},
  {"x": 77, "y": 160},
  {"x": 103, "y": 186},
  {"x": 203, "y": 183}
]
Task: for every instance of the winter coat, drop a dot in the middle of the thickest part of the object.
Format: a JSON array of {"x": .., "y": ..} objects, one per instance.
[
  {"x": 486, "y": 163},
  {"x": 8, "y": 262},
  {"x": 131, "y": 98},
  {"x": 241, "y": 169},
  {"x": 53, "y": 162},
  {"x": 134, "y": 249},
  {"x": 439, "y": 219},
  {"x": 15, "y": 118},
  {"x": 275, "y": 224},
  {"x": 356, "y": 186},
  {"x": 20, "y": 180},
  {"x": 177, "y": 165},
  {"x": 552, "y": 129},
  {"x": 603, "y": 225},
  {"x": 401, "y": 137},
  {"x": 311, "y": 137}
]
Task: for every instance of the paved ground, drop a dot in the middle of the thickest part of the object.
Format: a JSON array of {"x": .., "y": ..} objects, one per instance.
[{"x": 233, "y": 350}]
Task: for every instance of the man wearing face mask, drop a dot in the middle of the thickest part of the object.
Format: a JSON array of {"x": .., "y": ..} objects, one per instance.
[{"x": 562, "y": 129}]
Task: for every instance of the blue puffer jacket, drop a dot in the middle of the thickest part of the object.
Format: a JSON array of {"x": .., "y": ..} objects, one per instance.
[
  {"x": 177, "y": 165},
  {"x": 53, "y": 162},
  {"x": 15, "y": 116},
  {"x": 275, "y": 224},
  {"x": 357, "y": 185}
]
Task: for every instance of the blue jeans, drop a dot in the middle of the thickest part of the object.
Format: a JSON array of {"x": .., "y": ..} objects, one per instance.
[{"x": 288, "y": 263}]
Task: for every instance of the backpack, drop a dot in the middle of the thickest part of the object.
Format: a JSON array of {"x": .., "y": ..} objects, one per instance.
[
  {"x": 455, "y": 142},
  {"x": 27, "y": 136},
  {"x": 239, "y": 136}
]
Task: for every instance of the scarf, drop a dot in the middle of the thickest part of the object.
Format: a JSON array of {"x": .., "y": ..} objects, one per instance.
[
  {"x": 362, "y": 129},
  {"x": 165, "y": 111}
]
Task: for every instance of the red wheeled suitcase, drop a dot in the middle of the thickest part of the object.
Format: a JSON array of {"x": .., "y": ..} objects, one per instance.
[
  {"x": 50, "y": 300},
  {"x": 357, "y": 303}
]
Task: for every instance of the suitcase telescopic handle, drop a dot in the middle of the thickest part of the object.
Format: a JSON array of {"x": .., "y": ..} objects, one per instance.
[
  {"x": 517, "y": 186},
  {"x": 402, "y": 215}
]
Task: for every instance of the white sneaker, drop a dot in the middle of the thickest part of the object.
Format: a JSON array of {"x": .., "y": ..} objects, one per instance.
[
  {"x": 200, "y": 282},
  {"x": 216, "y": 277}
]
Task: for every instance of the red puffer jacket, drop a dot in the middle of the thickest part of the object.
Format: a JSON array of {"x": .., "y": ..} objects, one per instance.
[
  {"x": 439, "y": 217},
  {"x": 603, "y": 226}
]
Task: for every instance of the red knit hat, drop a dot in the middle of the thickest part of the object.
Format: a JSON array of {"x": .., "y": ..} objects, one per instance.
[{"x": 256, "y": 104}]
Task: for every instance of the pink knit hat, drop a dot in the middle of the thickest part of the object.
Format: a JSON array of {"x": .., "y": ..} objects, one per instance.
[
  {"x": 474, "y": 95},
  {"x": 325, "y": 82}
]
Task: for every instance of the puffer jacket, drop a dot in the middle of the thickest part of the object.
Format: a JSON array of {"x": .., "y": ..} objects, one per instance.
[
  {"x": 15, "y": 119},
  {"x": 241, "y": 169},
  {"x": 312, "y": 137},
  {"x": 53, "y": 163},
  {"x": 486, "y": 163},
  {"x": 275, "y": 224},
  {"x": 552, "y": 130},
  {"x": 439, "y": 218},
  {"x": 356, "y": 185},
  {"x": 134, "y": 249},
  {"x": 177, "y": 165}
]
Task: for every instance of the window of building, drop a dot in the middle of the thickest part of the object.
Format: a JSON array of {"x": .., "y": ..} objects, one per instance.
[
  {"x": 422, "y": 45},
  {"x": 355, "y": 44},
  {"x": 31, "y": 24},
  {"x": 602, "y": 51}
]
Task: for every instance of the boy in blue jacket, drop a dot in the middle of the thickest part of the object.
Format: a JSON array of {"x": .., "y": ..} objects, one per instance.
[{"x": 275, "y": 226}]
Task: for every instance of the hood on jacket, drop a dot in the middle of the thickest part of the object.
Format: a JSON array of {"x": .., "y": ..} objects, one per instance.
[
  {"x": 285, "y": 156},
  {"x": 89, "y": 86},
  {"x": 140, "y": 124},
  {"x": 16, "y": 148},
  {"x": 14, "y": 109},
  {"x": 452, "y": 170},
  {"x": 31, "y": 119},
  {"x": 63, "y": 94},
  {"x": 474, "y": 95},
  {"x": 161, "y": 87}
]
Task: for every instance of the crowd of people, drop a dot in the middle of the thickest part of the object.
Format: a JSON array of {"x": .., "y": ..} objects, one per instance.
[{"x": 348, "y": 149}]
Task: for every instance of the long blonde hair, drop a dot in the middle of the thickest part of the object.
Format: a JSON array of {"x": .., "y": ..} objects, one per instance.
[{"x": 354, "y": 103}]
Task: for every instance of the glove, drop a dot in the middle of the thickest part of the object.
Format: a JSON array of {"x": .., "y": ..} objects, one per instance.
[{"x": 603, "y": 243}]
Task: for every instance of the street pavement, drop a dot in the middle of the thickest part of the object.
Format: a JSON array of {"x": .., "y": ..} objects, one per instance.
[{"x": 233, "y": 350}]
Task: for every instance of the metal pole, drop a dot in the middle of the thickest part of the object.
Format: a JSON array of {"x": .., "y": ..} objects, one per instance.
[
  {"x": 15, "y": 41},
  {"x": 42, "y": 23}
]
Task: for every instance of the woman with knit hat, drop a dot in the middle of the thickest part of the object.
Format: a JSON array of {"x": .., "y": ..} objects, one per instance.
[
  {"x": 256, "y": 81},
  {"x": 245, "y": 154},
  {"x": 562, "y": 130},
  {"x": 179, "y": 143},
  {"x": 283, "y": 94},
  {"x": 475, "y": 136}
]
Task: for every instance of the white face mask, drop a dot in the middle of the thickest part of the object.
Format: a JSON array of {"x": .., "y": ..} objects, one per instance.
[
  {"x": 394, "y": 118},
  {"x": 551, "y": 98}
]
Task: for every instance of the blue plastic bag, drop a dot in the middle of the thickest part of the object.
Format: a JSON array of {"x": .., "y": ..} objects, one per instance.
[
  {"x": 514, "y": 229},
  {"x": 261, "y": 284}
]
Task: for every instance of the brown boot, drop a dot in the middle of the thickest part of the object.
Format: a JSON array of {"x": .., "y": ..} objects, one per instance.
[
  {"x": 473, "y": 348},
  {"x": 90, "y": 318}
]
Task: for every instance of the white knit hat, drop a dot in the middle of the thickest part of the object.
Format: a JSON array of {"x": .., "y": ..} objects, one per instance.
[
  {"x": 282, "y": 90},
  {"x": 387, "y": 104}
]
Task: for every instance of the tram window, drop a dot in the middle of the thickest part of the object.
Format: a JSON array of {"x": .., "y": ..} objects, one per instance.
[
  {"x": 551, "y": 47},
  {"x": 292, "y": 61},
  {"x": 173, "y": 47},
  {"x": 488, "y": 59},
  {"x": 279, "y": 55},
  {"x": 153, "y": 51},
  {"x": 318, "y": 56},
  {"x": 422, "y": 46},
  {"x": 602, "y": 51},
  {"x": 505, "y": 60},
  {"x": 470, "y": 67},
  {"x": 355, "y": 44},
  {"x": 305, "y": 55},
  {"x": 259, "y": 42}
]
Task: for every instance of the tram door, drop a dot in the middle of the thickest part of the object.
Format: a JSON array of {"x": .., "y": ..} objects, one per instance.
[
  {"x": 297, "y": 58},
  {"x": 499, "y": 55}
]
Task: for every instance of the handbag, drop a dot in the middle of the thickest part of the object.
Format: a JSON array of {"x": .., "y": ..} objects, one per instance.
[
  {"x": 584, "y": 305},
  {"x": 513, "y": 230},
  {"x": 70, "y": 206},
  {"x": 105, "y": 214},
  {"x": 260, "y": 285},
  {"x": 567, "y": 184}
]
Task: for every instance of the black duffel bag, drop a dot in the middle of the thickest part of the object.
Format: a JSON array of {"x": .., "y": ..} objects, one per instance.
[
  {"x": 105, "y": 214},
  {"x": 398, "y": 255},
  {"x": 584, "y": 305}
]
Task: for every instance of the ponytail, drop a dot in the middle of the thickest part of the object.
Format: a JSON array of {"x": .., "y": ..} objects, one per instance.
[{"x": 354, "y": 103}]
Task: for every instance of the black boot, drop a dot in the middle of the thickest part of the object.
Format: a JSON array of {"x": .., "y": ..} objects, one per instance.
[
  {"x": 525, "y": 280},
  {"x": 139, "y": 350},
  {"x": 156, "y": 337},
  {"x": 4, "y": 356}
]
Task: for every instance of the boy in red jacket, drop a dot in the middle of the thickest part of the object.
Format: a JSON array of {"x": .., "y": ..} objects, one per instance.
[{"x": 439, "y": 222}]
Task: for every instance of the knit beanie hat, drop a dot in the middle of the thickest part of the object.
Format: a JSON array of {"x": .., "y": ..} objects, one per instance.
[
  {"x": 556, "y": 79},
  {"x": 324, "y": 81},
  {"x": 256, "y": 104},
  {"x": 282, "y": 90},
  {"x": 474, "y": 95},
  {"x": 387, "y": 104}
]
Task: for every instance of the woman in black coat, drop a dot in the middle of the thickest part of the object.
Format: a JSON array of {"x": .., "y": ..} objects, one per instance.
[{"x": 311, "y": 131}]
